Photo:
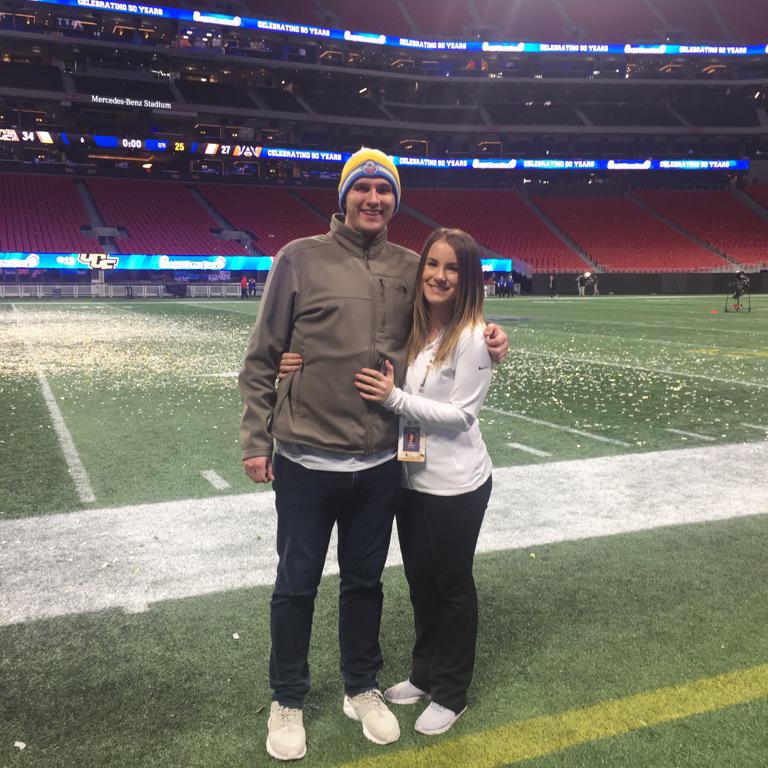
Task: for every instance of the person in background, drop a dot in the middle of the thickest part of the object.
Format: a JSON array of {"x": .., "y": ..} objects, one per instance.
[
  {"x": 447, "y": 487},
  {"x": 243, "y": 287},
  {"x": 339, "y": 302}
]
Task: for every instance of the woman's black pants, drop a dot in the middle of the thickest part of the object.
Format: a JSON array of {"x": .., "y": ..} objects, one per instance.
[{"x": 438, "y": 536}]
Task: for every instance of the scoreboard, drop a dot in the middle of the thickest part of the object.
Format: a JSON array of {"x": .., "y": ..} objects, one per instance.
[
  {"x": 255, "y": 152},
  {"x": 63, "y": 140}
]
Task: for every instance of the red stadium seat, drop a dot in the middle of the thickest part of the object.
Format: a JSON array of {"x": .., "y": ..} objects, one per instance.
[
  {"x": 717, "y": 217},
  {"x": 43, "y": 213},
  {"x": 621, "y": 236},
  {"x": 159, "y": 217},
  {"x": 501, "y": 221},
  {"x": 271, "y": 216}
]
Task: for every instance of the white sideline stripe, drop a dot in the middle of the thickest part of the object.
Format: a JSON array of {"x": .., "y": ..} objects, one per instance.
[
  {"x": 131, "y": 557},
  {"x": 691, "y": 434},
  {"x": 528, "y": 449},
  {"x": 754, "y": 426},
  {"x": 662, "y": 371},
  {"x": 570, "y": 430},
  {"x": 215, "y": 479},
  {"x": 71, "y": 456}
]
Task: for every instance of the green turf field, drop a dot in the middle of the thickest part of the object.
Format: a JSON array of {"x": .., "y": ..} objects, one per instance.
[
  {"x": 640, "y": 649},
  {"x": 147, "y": 389}
]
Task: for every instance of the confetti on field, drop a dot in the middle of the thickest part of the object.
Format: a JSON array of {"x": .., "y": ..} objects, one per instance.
[{"x": 105, "y": 343}]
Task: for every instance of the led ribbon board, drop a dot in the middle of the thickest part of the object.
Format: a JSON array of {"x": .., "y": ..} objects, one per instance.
[
  {"x": 367, "y": 38},
  {"x": 246, "y": 151},
  {"x": 256, "y": 152},
  {"x": 118, "y": 261}
]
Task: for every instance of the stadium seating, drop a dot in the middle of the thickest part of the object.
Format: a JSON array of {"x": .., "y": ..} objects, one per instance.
[
  {"x": 744, "y": 19},
  {"x": 297, "y": 10},
  {"x": 279, "y": 100},
  {"x": 159, "y": 217},
  {"x": 629, "y": 114},
  {"x": 404, "y": 229},
  {"x": 532, "y": 114},
  {"x": 124, "y": 87},
  {"x": 448, "y": 18},
  {"x": 717, "y": 217},
  {"x": 759, "y": 193},
  {"x": 704, "y": 109},
  {"x": 357, "y": 16},
  {"x": 501, "y": 221},
  {"x": 39, "y": 77},
  {"x": 415, "y": 114},
  {"x": 43, "y": 213},
  {"x": 622, "y": 237},
  {"x": 613, "y": 22},
  {"x": 220, "y": 94},
  {"x": 327, "y": 103},
  {"x": 693, "y": 17},
  {"x": 273, "y": 217}
]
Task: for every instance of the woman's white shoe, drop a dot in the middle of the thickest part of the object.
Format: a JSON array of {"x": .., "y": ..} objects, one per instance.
[
  {"x": 404, "y": 693},
  {"x": 436, "y": 719}
]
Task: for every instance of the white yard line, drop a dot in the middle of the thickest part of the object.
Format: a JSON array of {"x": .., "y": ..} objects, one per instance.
[
  {"x": 215, "y": 479},
  {"x": 644, "y": 369},
  {"x": 694, "y": 435},
  {"x": 74, "y": 464},
  {"x": 528, "y": 449},
  {"x": 130, "y": 557},
  {"x": 560, "y": 427},
  {"x": 754, "y": 426}
]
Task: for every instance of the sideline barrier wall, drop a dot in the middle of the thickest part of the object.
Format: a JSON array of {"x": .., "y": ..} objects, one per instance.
[{"x": 629, "y": 283}]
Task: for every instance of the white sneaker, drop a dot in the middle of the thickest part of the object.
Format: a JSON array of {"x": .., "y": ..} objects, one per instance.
[
  {"x": 286, "y": 737},
  {"x": 436, "y": 719},
  {"x": 379, "y": 725},
  {"x": 404, "y": 693}
]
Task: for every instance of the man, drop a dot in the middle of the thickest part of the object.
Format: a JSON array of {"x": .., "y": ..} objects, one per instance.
[
  {"x": 552, "y": 286},
  {"x": 343, "y": 301}
]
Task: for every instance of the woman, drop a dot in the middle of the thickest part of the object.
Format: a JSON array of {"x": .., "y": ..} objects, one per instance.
[
  {"x": 446, "y": 490},
  {"x": 446, "y": 470}
]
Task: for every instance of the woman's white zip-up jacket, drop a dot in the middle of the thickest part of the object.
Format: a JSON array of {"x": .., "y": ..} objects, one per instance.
[{"x": 447, "y": 408}]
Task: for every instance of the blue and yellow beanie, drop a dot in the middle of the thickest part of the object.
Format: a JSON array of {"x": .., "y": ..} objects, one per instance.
[{"x": 370, "y": 164}]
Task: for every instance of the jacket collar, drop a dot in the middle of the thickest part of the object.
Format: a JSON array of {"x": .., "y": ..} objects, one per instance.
[{"x": 356, "y": 242}]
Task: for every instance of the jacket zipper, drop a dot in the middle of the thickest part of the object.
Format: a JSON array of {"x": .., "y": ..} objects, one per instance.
[
  {"x": 372, "y": 360},
  {"x": 298, "y": 391},
  {"x": 382, "y": 297}
]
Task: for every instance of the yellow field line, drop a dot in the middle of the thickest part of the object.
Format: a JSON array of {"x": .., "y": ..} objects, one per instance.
[{"x": 540, "y": 736}]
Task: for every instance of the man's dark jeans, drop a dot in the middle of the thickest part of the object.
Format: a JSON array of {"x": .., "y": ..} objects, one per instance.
[{"x": 309, "y": 502}]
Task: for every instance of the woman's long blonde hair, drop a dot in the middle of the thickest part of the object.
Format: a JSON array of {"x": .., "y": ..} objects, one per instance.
[{"x": 468, "y": 304}]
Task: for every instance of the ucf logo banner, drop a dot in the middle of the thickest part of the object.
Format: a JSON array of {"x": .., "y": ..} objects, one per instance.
[{"x": 98, "y": 260}]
